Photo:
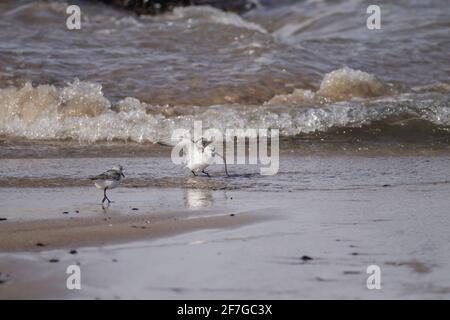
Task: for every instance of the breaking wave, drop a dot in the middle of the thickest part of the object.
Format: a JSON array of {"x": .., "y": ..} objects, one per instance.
[
  {"x": 201, "y": 14},
  {"x": 346, "y": 98},
  {"x": 339, "y": 85}
]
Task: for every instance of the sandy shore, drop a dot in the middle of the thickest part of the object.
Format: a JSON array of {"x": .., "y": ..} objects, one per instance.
[
  {"x": 75, "y": 232},
  {"x": 305, "y": 233}
]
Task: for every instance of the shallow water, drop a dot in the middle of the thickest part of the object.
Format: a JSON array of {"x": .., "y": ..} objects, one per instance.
[
  {"x": 301, "y": 66},
  {"x": 296, "y": 173},
  {"x": 45, "y": 188}
]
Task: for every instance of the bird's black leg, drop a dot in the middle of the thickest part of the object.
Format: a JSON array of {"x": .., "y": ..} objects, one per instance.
[
  {"x": 206, "y": 173},
  {"x": 109, "y": 201},
  {"x": 193, "y": 173},
  {"x": 105, "y": 196}
]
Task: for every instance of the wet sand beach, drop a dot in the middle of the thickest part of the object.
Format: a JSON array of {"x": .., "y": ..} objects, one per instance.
[
  {"x": 75, "y": 232},
  {"x": 239, "y": 241}
]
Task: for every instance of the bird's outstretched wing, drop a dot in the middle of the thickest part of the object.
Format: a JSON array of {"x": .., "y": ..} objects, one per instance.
[
  {"x": 181, "y": 144},
  {"x": 202, "y": 142},
  {"x": 172, "y": 143},
  {"x": 165, "y": 144}
]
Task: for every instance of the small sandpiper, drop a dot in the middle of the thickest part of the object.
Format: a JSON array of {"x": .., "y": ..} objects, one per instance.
[
  {"x": 108, "y": 180},
  {"x": 199, "y": 154}
]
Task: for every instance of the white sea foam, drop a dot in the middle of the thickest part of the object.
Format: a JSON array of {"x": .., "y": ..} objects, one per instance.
[
  {"x": 80, "y": 111},
  {"x": 339, "y": 85},
  {"x": 346, "y": 83}
]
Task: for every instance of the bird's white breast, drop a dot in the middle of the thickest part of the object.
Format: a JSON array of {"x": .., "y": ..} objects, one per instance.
[
  {"x": 198, "y": 160},
  {"x": 110, "y": 184}
]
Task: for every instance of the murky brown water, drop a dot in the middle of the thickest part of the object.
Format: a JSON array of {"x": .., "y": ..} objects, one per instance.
[{"x": 305, "y": 67}]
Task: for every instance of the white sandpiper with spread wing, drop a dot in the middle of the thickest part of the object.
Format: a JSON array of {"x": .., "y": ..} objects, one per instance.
[{"x": 199, "y": 154}]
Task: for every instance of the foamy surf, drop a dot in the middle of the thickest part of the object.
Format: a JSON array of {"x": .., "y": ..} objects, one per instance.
[
  {"x": 346, "y": 98},
  {"x": 338, "y": 85}
]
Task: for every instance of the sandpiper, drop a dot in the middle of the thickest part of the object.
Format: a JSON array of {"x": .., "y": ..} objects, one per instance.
[
  {"x": 200, "y": 154},
  {"x": 108, "y": 180}
]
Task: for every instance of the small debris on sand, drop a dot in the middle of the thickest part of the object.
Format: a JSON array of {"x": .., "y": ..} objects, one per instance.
[
  {"x": 53, "y": 260},
  {"x": 320, "y": 279},
  {"x": 417, "y": 266},
  {"x": 73, "y": 251},
  {"x": 351, "y": 272},
  {"x": 139, "y": 227}
]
